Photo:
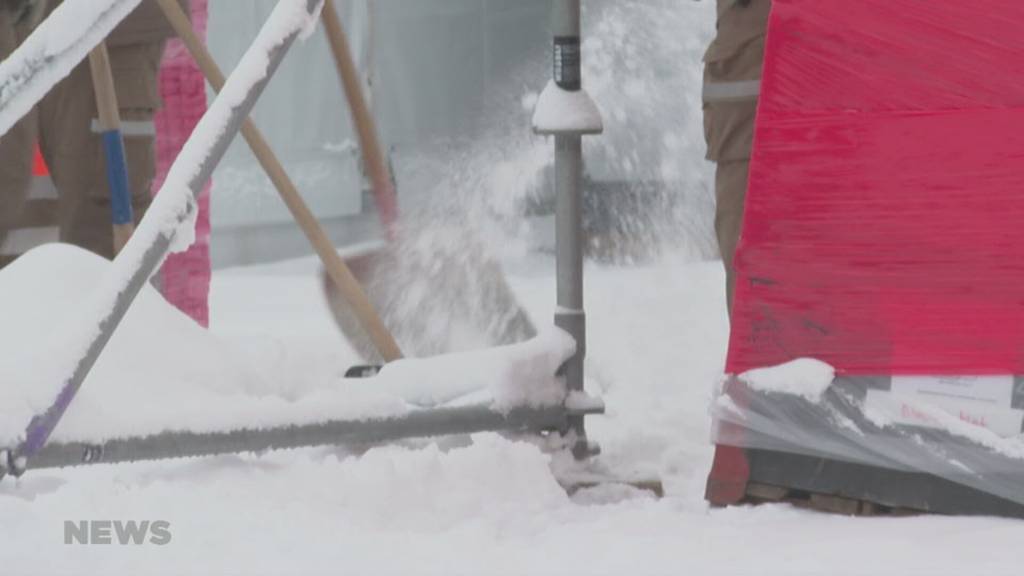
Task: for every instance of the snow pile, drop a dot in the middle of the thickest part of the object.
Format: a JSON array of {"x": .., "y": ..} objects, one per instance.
[
  {"x": 804, "y": 377},
  {"x": 161, "y": 371}
]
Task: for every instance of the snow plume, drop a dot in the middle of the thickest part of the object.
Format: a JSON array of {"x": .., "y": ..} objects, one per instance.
[
  {"x": 642, "y": 64},
  {"x": 650, "y": 156},
  {"x": 470, "y": 209}
]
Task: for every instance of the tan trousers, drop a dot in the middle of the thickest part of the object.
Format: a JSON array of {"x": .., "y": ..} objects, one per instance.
[
  {"x": 732, "y": 73},
  {"x": 63, "y": 124}
]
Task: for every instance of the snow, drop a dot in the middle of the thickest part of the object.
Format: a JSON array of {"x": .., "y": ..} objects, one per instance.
[
  {"x": 805, "y": 377},
  {"x": 515, "y": 376},
  {"x": 487, "y": 505},
  {"x": 565, "y": 111}
]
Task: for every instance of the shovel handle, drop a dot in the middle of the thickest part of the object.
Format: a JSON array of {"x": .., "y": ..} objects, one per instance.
[
  {"x": 122, "y": 219},
  {"x": 366, "y": 128}
]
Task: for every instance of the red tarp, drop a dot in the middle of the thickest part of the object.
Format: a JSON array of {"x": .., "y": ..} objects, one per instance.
[{"x": 884, "y": 227}]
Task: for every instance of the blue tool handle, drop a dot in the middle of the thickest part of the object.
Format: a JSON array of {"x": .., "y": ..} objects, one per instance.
[{"x": 117, "y": 178}]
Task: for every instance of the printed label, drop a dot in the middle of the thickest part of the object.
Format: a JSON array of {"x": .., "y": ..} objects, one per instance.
[
  {"x": 568, "y": 63},
  {"x": 918, "y": 411},
  {"x": 997, "y": 390}
]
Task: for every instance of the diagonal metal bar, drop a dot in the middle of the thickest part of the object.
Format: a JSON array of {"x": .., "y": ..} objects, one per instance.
[
  {"x": 415, "y": 424},
  {"x": 53, "y": 49}
]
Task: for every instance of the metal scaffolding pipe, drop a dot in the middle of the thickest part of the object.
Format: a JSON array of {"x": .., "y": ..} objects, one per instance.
[{"x": 415, "y": 424}]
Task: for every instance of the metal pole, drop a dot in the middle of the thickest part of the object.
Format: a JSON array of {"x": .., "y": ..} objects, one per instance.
[
  {"x": 570, "y": 315},
  {"x": 416, "y": 424}
]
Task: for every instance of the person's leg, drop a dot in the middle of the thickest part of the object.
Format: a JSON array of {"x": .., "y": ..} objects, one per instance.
[
  {"x": 730, "y": 126},
  {"x": 72, "y": 144},
  {"x": 732, "y": 74},
  {"x": 16, "y": 152}
]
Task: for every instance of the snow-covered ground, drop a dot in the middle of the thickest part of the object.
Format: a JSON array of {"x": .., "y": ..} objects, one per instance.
[{"x": 486, "y": 506}]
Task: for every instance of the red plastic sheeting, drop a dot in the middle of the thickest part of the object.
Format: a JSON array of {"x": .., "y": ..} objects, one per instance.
[
  {"x": 884, "y": 226},
  {"x": 39, "y": 167}
]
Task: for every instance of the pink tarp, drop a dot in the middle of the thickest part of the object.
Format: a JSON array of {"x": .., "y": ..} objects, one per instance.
[
  {"x": 185, "y": 277},
  {"x": 883, "y": 220}
]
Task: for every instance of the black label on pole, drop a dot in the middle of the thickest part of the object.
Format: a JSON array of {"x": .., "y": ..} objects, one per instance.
[{"x": 567, "y": 62}]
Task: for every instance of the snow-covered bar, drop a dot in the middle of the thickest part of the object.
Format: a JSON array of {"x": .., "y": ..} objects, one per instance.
[
  {"x": 53, "y": 49},
  {"x": 433, "y": 422}
]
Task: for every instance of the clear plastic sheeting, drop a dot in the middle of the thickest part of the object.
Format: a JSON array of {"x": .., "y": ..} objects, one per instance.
[
  {"x": 883, "y": 236},
  {"x": 863, "y": 420}
]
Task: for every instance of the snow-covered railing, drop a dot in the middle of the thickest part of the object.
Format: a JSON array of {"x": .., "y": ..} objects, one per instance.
[{"x": 52, "y": 51}]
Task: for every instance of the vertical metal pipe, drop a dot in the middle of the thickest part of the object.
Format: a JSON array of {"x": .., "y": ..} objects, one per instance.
[
  {"x": 570, "y": 315},
  {"x": 569, "y": 207},
  {"x": 566, "y": 29}
]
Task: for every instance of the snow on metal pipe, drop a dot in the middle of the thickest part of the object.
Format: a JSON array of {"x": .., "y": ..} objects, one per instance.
[
  {"x": 53, "y": 49},
  {"x": 416, "y": 424}
]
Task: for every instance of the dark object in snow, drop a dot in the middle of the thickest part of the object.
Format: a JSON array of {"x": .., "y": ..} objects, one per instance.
[{"x": 860, "y": 490}]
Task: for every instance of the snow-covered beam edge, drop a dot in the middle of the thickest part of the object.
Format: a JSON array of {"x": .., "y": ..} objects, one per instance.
[{"x": 52, "y": 51}]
